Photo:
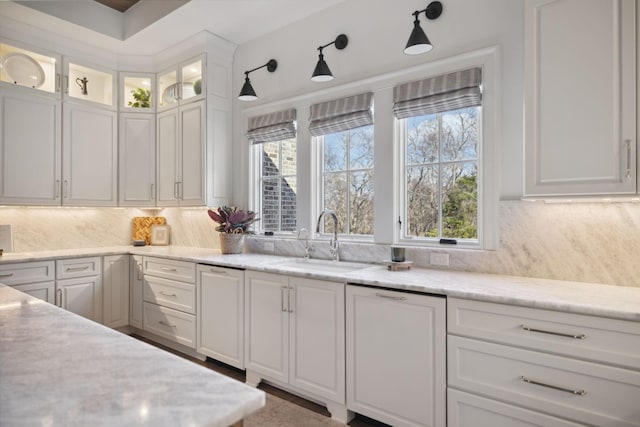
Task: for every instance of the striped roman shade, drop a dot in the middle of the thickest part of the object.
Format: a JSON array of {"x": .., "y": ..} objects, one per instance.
[
  {"x": 341, "y": 114},
  {"x": 437, "y": 94},
  {"x": 272, "y": 127}
]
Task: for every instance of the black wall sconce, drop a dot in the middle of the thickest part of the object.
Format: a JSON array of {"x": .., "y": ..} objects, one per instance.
[
  {"x": 418, "y": 41},
  {"x": 247, "y": 93},
  {"x": 322, "y": 73}
]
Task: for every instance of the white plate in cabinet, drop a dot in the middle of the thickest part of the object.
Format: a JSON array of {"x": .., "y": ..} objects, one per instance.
[
  {"x": 469, "y": 410},
  {"x": 78, "y": 267},
  {"x": 170, "y": 269},
  {"x": 28, "y": 272},
  {"x": 168, "y": 293},
  {"x": 170, "y": 324},
  {"x": 582, "y": 391},
  {"x": 585, "y": 337}
]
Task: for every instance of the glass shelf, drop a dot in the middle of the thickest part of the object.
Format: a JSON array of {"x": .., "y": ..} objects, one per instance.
[
  {"x": 90, "y": 84},
  {"x": 26, "y": 68},
  {"x": 137, "y": 92}
]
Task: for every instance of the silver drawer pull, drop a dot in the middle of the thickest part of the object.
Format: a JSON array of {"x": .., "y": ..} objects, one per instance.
[
  {"x": 2, "y": 276},
  {"x": 395, "y": 298},
  {"x": 555, "y": 387},
  {"x": 560, "y": 334},
  {"x": 213, "y": 270},
  {"x": 166, "y": 294},
  {"x": 163, "y": 323},
  {"x": 77, "y": 268},
  {"x": 168, "y": 269}
]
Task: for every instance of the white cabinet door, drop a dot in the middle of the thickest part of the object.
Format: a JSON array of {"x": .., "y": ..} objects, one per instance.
[
  {"x": 137, "y": 285},
  {"x": 115, "y": 291},
  {"x": 167, "y": 143},
  {"x": 220, "y": 314},
  {"x": 44, "y": 291},
  {"x": 317, "y": 354},
  {"x": 137, "y": 159},
  {"x": 181, "y": 156},
  {"x": 396, "y": 356},
  {"x": 191, "y": 187},
  {"x": 267, "y": 325},
  {"x": 90, "y": 162},
  {"x": 82, "y": 296},
  {"x": 580, "y": 97},
  {"x": 30, "y": 149}
]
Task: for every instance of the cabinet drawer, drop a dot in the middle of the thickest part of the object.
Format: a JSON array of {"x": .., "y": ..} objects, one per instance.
[
  {"x": 585, "y": 337},
  {"x": 169, "y": 293},
  {"x": 468, "y": 410},
  {"x": 28, "y": 272},
  {"x": 171, "y": 324},
  {"x": 170, "y": 269},
  {"x": 78, "y": 267},
  {"x": 582, "y": 391}
]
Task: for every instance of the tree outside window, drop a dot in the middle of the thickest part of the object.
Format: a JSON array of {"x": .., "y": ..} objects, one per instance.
[
  {"x": 441, "y": 175},
  {"x": 278, "y": 185},
  {"x": 347, "y": 178}
]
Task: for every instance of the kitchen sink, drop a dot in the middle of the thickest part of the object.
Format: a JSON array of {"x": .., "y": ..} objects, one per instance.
[{"x": 322, "y": 266}]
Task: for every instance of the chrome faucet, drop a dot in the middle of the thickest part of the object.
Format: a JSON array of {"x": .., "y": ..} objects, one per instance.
[
  {"x": 333, "y": 243},
  {"x": 307, "y": 247}
]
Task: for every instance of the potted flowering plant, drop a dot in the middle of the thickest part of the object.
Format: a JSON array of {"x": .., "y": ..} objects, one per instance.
[{"x": 233, "y": 224}]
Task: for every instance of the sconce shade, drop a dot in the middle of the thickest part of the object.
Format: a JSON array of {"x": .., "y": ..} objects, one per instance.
[
  {"x": 322, "y": 73},
  {"x": 247, "y": 93},
  {"x": 418, "y": 41}
]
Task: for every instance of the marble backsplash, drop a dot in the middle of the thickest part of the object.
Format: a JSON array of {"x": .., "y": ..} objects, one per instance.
[{"x": 589, "y": 242}]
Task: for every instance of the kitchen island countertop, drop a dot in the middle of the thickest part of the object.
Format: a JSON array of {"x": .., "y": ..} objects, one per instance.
[{"x": 57, "y": 368}]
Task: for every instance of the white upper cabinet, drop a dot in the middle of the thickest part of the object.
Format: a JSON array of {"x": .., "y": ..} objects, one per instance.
[
  {"x": 30, "y": 149},
  {"x": 137, "y": 159},
  {"x": 580, "y": 97},
  {"x": 26, "y": 68},
  {"x": 88, "y": 84},
  {"x": 182, "y": 83}
]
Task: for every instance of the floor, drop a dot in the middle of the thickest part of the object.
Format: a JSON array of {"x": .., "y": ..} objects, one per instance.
[{"x": 282, "y": 409}]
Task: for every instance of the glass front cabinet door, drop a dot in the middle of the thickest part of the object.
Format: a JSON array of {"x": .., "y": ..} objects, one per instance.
[
  {"x": 182, "y": 83},
  {"x": 89, "y": 84},
  {"x": 21, "y": 66},
  {"x": 137, "y": 93}
]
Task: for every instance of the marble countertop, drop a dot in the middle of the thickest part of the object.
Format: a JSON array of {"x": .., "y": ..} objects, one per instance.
[
  {"x": 618, "y": 302},
  {"x": 57, "y": 368}
]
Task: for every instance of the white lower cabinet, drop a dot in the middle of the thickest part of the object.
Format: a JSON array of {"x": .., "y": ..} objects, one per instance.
[
  {"x": 531, "y": 366},
  {"x": 34, "y": 278},
  {"x": 136, "y": 283},
  {"x": 169, "y": 295},
  {"x": 220, "y": 314},
  {"x": 396, "y": 356},
  {"x": 294, "y": 336},
  {"x": 79, "y": 286},
  {"x": 115, "y": 282}
]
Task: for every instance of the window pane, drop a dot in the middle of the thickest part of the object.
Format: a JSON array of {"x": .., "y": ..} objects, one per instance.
[
  {"x": 422, "y": 201},
  {"x": 460, "y": 201},
  {"x": 288, "y": 155},
  {"x": 361, "y": 148},
  {"x": 460, "y": 135},
  {"x": 288, "y": 200},
  {"x": 335, "y": 151},
  {"x": 271, "y": 159},
  {"x": 335, "y": 198},
  {"x": 270, "y": 210},
  {"x": 361, "y": 203},
  {"x": 422, "y": 140}
]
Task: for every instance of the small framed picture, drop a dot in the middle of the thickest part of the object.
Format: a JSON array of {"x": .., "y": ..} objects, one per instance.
[{"x": 160, "y": 234}]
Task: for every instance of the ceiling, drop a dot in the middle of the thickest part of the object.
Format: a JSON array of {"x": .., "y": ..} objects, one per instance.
[
  {"x": 119, "y": 5},
  {"x": 149, "y": 26}
]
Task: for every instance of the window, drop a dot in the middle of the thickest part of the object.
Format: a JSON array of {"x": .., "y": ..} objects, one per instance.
[
  {"x": 441, "y": 175},
  {"x": 274, "y": 165},
  {"x": 439, "y": 126},
  {"x": 347, "y": 179},
  {"x": 277, "y": 185},
  {"x": 344, "y": 136}
]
